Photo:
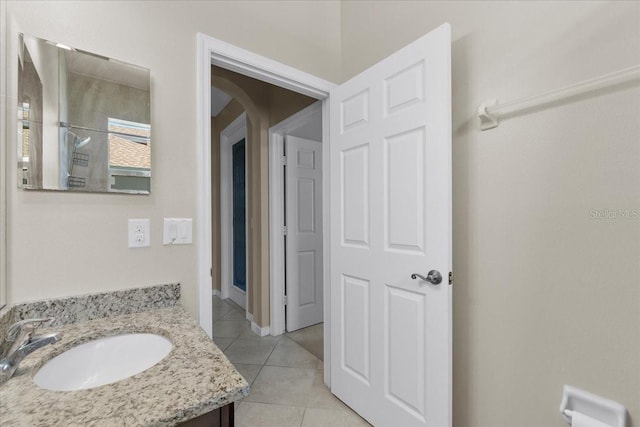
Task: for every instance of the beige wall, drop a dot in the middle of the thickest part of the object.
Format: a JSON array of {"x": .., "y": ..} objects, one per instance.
[
  {"x": 65, "y": 244},
  {"x": 544, "y": 294},
  {"x": 266, "y": 105}
]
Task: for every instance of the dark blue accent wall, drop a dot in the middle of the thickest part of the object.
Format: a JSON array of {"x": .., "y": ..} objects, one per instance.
[{"x": 239, "y": 215}]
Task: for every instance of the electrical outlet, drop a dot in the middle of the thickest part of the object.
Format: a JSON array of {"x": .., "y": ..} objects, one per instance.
[{"x": 139, "y": 233}]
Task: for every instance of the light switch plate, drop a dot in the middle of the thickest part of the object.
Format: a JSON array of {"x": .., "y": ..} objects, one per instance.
[
  {"x": 139, "y": 230},
  {"x": 177, "y": 231}
]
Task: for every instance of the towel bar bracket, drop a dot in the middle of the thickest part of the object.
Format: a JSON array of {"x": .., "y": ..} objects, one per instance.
[{"x": 488, "y": 120}]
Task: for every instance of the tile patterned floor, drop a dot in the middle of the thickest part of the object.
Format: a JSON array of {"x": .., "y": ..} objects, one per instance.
[{"x": 285, "y": 374}]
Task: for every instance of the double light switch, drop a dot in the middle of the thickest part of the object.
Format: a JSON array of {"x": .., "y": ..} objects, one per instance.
[{"x": 177, "y": 231}]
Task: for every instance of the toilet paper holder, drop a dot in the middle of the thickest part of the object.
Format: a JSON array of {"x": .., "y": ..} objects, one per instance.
[{"x": 604, "y": 410}]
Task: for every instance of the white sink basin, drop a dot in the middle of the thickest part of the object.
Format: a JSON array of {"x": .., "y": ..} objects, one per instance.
[{"x": 103, "y": 361}]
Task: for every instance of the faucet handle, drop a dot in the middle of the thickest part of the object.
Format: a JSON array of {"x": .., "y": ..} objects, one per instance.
[{"x": 17, "y": 328}]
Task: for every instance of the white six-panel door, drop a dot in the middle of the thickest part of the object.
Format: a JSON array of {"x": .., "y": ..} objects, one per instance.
[
  {"x": 304, "y": 232},
  {"x": 390, "y": 192}
]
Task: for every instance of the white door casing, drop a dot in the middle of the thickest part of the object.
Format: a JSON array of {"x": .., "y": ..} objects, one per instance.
[
  {"x": 390, "y": 192},
  {"x": 212, "y": 51},
  {"x": 230, "y": 135},
  {"x": 304, "y": 232}
]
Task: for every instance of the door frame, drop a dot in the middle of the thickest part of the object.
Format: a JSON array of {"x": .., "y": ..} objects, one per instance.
[
  {"x": 212, "y": 51},
  {"x": 277, "y": 270},
  {"x": 233, "y": 133}
]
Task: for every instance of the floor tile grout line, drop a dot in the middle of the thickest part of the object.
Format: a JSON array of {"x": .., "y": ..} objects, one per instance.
[
  {"x": 288, "y": 405},
  {"x": 270, "y": 353},
  {"x": 254, "y": 380},
  {"x": 304, "y": 413},
  {"x": 231, "y": 343}
]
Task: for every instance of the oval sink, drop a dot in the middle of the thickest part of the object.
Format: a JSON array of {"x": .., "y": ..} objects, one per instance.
[{"x": 103, "y": 361}]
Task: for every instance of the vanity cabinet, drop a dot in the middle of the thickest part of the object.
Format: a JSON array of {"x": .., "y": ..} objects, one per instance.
[{"x": 221, "y": 417}]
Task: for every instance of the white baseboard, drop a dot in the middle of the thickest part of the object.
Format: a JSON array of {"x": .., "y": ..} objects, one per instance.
[
  {"x": 260, "y": 331},
  {"x": 216, "y": 293},
  {"x": 275, "y": 333},
  {"x": 249, "y": 316}
]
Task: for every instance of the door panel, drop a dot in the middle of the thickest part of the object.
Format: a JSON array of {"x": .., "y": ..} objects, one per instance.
[
  {"x": 306, "y": 205},
  {"x": 354, "y": 111},
  {"x": 390, "y": 217},
  {"x": 354, "y": 164},
  {"x": 357, "y": 330},
  {"x": 304, "y": 232},
  {"x": 306, "y": 268},
  {"x": 404, "y": 340},
  {"x": 404, "y": 192},
  {"x": 404, "y": 88}
]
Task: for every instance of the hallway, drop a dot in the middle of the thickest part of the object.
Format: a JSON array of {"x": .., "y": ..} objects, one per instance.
[{"x": 286, "y": 383}]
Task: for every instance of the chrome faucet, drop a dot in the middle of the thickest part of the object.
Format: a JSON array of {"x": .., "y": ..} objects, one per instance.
[{"x": 20, "y": 342}]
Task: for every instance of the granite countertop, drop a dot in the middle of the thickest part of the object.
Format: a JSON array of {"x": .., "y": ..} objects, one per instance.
[{"x": 193, "y": 379}]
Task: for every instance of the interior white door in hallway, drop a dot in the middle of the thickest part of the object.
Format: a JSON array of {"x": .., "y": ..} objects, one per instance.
[
  {"x": 304, "y": 232},
  {"x": 390, "y": 185}
]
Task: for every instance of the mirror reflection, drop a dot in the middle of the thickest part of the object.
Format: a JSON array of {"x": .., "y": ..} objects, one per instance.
[{"x": 83, "y": 121}]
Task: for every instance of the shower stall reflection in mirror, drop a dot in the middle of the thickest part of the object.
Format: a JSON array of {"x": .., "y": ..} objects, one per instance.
[{"x": 233, "y": 215}]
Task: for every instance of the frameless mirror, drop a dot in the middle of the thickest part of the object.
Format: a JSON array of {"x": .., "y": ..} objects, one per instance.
[{"x": 84, "y": 121}]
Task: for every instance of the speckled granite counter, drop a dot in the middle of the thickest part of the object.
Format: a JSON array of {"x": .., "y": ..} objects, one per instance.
[{"x": 193, "y": 379}]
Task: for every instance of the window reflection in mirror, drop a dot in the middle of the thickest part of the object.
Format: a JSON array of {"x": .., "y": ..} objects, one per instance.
[
  {"x": 24, "y": 146},
  {"x": 129, "y": 155}
]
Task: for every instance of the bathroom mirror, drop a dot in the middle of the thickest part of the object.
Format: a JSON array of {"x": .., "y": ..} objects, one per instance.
[{"x": 84, "y": 121}]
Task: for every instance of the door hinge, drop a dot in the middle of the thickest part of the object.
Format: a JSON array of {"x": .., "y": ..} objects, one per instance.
[
  {"x": 284, "y": 230},
  {"x": 286, "y": 300},
  {"x": 211, "y": 271},
  {"x": 451, "y": 277},
  {"x": 283, "y": 160}
]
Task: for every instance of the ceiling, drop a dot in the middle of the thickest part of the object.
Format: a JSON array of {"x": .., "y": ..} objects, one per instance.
[{"x": 219, "y": 100}]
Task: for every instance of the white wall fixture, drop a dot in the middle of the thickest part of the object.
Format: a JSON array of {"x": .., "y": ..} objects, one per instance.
[
  {"x": 177, "y": 231},
  {"x": 583, "y": 409},
  {"x": 489, "y": 111},
  {"x": 139, "y": 233}
]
